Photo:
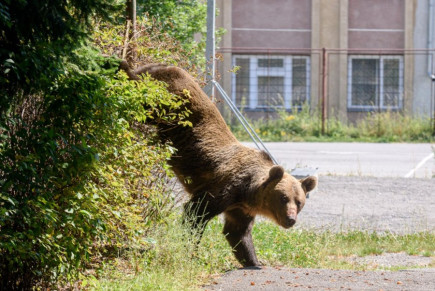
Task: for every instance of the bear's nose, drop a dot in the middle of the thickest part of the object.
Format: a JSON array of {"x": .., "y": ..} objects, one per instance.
[{"x": 290, "y": 221}]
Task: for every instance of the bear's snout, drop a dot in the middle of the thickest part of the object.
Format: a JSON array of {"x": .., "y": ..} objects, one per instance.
[{"x": 289, "y": 221}]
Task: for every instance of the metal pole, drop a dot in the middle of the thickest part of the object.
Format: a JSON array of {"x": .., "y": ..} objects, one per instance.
[
  {"x": 324, "y": 89},
  {"x": 430, "y": 35},
  {"x": 210, "y": 48},
  {"x": 432, "y": 101}
]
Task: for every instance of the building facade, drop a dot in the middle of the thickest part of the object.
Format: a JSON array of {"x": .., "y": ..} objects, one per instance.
[{"x": 353, "y": 56}]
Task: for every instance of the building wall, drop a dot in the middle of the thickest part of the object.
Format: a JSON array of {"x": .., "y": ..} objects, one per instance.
[
  {"x": 423, "y": 103},
  {"x": 271, "y": 24},
  {"x": 329, "y": 31},
  {"x": 374, "y": 25},
  {"x": 224, "y": 20}
]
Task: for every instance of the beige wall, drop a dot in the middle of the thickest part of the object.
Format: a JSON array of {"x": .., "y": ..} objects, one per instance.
[
  {"x": 409, "y": 19},
  {"x": 330, "y": 31},
  {"x": 224, "y": 63}
]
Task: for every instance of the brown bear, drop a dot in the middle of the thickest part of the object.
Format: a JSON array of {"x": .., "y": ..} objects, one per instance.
[{"x": 221, "y": 174}]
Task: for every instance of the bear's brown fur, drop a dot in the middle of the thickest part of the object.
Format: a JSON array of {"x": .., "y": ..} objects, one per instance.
[{"x": 221, "y": 174}]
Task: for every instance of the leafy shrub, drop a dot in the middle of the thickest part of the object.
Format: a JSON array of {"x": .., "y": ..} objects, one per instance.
[
  {"x": 80, "y": 173},
  {"x": 47, "y": 225},
  {"x": 77, "y": 169}
]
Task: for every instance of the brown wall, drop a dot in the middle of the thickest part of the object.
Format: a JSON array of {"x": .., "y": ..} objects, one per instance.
[
  {"x": 376, "y": 24},
  {"x": 271, "y": 24}
]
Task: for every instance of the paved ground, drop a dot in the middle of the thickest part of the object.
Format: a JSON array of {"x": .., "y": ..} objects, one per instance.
[
  {"x": 378, "y": 204},
  {"x": 274, "y": 279},
  {"x": 358, "y": 159},
  {"x": 361, "y": 186}
]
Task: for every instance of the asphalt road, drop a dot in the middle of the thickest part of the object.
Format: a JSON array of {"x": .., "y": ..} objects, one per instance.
[
  {"x": 273, "y": 279},
  {"x": 381, "y": 204},
  {"x": 358, "y": 159},
  {"x": 374, "y": 187}
]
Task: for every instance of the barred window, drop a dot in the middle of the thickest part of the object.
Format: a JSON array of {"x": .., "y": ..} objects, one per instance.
[
  {"x": 375, "y": 82},
  {"x": 269, "y": 82}
]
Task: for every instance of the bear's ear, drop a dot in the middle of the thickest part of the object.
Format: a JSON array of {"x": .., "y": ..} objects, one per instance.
[
  {"x": 308, "y": 183},
  {"x": 275, "y": 175}
]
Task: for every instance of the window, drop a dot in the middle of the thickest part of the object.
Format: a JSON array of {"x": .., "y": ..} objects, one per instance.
[
  {"x": 269, "y": 82},
  {"x": 375, "y": 82}
]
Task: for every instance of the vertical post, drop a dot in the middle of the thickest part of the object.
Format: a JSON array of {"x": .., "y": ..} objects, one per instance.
[
  {"x": 131, "y": 11},
  {"x": 210, "y": 48},
  {"x": 430, "y": 35},
  {"x": 432, "y": 103},
  {"x": 324, "y": 88},
  {"x": 433, "y": 108},
  {"x": 131, "y": 20}
]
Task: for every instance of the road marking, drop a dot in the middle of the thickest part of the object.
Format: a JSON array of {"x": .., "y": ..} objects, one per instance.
[
  {"x": 341, "y": 153},
  {"x": 410, "y": 173}
]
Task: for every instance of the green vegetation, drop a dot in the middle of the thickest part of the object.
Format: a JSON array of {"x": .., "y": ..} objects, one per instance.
[
  {"x": 306, "y": 125},
  {"x": 81, "y": 176},
  {"x": 172, "y": 262},
  {"x": 181, "y": 20},
  {"x": 304, "y": 248}
]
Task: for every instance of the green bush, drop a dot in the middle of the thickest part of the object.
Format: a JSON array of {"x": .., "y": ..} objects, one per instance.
[
  {"x": 47, "y": 225},
  {"x": 79, "y": 172}
]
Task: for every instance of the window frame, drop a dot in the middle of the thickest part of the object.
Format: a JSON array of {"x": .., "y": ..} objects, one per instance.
[
  {"x": 380, "y": 81},
  {"x": 286, "y": 72}
]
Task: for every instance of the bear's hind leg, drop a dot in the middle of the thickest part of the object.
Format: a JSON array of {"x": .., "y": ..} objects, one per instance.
[
  {"x": 237, "y": 230},
  {"x": 198, "y": 212}
]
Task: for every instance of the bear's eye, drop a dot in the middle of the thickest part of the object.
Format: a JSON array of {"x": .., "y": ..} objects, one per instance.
[
  {"x": 284, "y": 199},
  {"x": 298, "y": 204}
]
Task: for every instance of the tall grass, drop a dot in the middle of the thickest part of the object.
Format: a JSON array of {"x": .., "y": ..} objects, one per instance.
[
  {"x": 174, "y": 261},
  {"x": 306, "y": 125}
]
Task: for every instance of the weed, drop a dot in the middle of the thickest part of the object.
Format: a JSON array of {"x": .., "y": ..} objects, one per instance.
[{"x": 305, "y": 125}]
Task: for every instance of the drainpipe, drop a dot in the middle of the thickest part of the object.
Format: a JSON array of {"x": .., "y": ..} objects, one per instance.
[
  {"x": 324, "y": 89},
  {"x": 430, "y": 60},
  {"x": 430, "y": 37}
]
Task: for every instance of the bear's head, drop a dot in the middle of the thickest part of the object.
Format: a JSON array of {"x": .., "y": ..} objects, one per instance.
[{"x": 283, "y": 196}]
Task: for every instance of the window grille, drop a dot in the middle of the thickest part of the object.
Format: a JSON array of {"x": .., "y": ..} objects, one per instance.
[
  {"x": 270, "y": 82},
  {"x": 375, "y": 82}
]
